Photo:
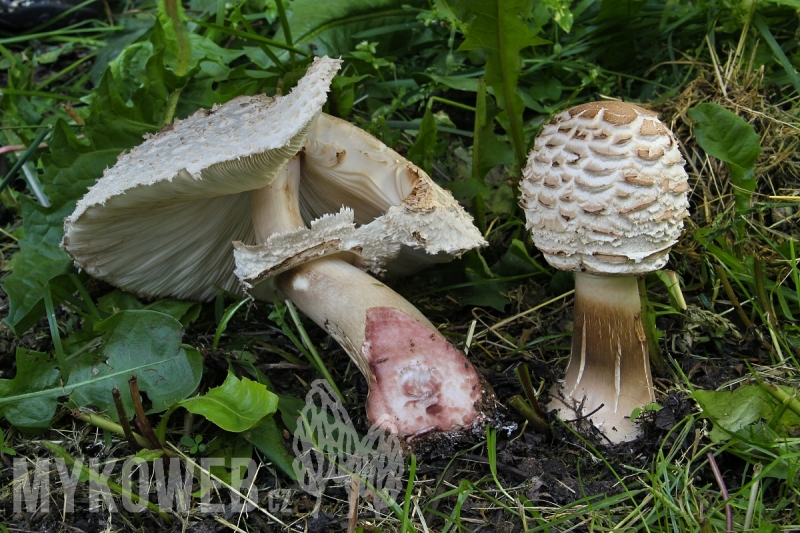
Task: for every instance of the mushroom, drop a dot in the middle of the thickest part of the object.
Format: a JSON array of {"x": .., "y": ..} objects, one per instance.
[
  {"x": 605, "y": 195},
  {"x": 162, "y": 220},
  {"x": 369, "y": 208}
]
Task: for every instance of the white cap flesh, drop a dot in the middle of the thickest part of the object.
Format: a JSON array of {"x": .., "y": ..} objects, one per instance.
[
  {"x": 161, "y": 221},
  {"x": 604, "y": 190}
]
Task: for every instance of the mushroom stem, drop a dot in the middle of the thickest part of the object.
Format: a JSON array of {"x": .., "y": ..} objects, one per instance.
[
  {"x": 419, "y": 383},
  {"x": 609, "y": 365},
  {"x": 348, "y": 294},
  {"x": 275, "y": 208}
]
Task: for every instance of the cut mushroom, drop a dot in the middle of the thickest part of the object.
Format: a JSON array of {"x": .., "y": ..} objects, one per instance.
[
  {"x": 367, "y": 207},
  {"x": 630, "y": 185},
  {"x": 162, "y": 220}
]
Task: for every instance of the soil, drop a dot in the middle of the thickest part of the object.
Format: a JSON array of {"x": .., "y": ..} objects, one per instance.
[{"x": 547, "y": 472}]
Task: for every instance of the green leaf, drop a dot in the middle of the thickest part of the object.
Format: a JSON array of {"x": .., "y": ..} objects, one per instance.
[
  {"x": 290, "y": 409},
  {"x": 142, "y": 343},
  {"x": 453, "y": 82},
  {"x": 113, "y": 124},
  {"x": 226, "y": 446},
  {"x": 426, "y": 147},
  {"x": 559, "y": 9},
  {"x": 118, "y": 300},
  {"x": 178, "y": 49},
  {"x": 481, "y": 293},
  {"x": 37, "y": 262},
  {"x": 135, "y": 28},
  {"x": 70, "y": 168},
  {"x": 343, "y": 94},
  {"x": 226, "y": 317},
  {"x": 498, "y": 28},
  {"x": 329, "y": 26},
  {"x": 725, "y": 135},
  {"x": 469, "y": 189},
  {"x": 268, "y": 438},
  {"x": 72, "y": 165},
  {"x": 236, "y": 405},
  {"x": 488, "y": 150},
  {"x": 516, "y": 261},
  {"x": 21, "y": 401},
  {"x": 128, "y": 68},
  {"x": 613, "y": 10},
  {"x": 734, "y": 411},
  {"x": 3, "y": 445},
  {"x": 777, "y": 51}
]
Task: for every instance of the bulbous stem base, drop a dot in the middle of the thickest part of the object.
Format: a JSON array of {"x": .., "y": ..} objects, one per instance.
[{"x": 609, "y": 371}]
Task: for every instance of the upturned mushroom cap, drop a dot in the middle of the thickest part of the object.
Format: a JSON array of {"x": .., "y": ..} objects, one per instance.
[
  {"x": 605, "y": 190},
  {"x": 161, "y": 221},
  {"x": 360, "y": 197}
]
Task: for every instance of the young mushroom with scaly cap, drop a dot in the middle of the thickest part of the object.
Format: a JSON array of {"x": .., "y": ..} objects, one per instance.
[
  {"x": 605, "y": 195},
  {"x": 161, "y": 222},
  {"x": 368, "y": 208}
]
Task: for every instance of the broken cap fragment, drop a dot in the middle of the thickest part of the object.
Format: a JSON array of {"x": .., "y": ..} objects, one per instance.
[
  {"x": 161, "y": 221},
  {"x": 359, "y": 197}
]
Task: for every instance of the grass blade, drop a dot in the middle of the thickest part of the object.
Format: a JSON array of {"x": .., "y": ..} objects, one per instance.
[
  {"x": 778, "y": 51},
  {"x": 54, "y": 333},
  {"x": 226, "y": 317},
  {"x": 26, "y": 155}
]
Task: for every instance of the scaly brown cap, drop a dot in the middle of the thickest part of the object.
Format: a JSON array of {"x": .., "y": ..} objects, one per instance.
[{"x": 605, "y": 190}]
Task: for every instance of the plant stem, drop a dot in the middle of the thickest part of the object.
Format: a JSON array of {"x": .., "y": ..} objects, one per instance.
[
  {"x": 509, "y": 94},
  {"x": 352, "y": 514},
  {"x": 70, "y": 461},
  {"x": 649, "y": 326},
  {"x": 108, "y": 425},
  {"x": 761, "y": 292},
  {"x": 172, "y": 105},
  {"x": 751, "y": 504},
  {"x": 123, "y": 419},
  {"x": 726, "y": 284},
  {"x": 24, "y": 157},
  {"x": 789, "y": 400},
  {"x": 723, "y": 489},
  {"x": 54, "y": 333},
  {"x": 524, "y": 377},
  {"x": 144, "y": 425},
  {"x": 312, "y": 350},
  {"x": 530, "y": 415},
  {"x": 480, "y": 122}
]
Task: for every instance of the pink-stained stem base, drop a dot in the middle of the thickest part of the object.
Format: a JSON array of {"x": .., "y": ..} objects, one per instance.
[{"x": 421, "y": 382}]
